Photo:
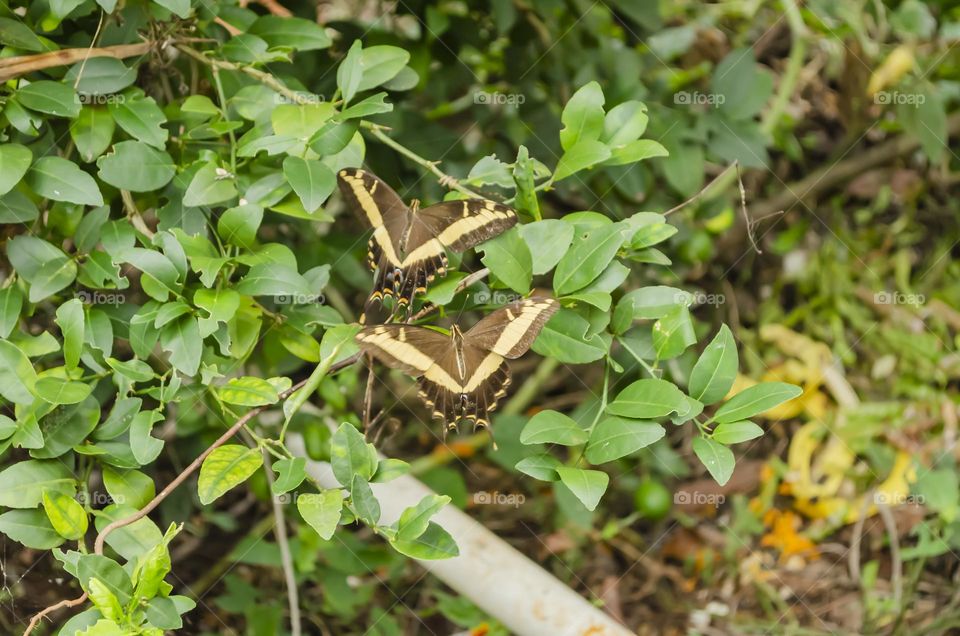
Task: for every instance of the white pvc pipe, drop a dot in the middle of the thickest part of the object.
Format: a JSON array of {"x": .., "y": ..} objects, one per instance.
[{"x": 497, "y": 578}]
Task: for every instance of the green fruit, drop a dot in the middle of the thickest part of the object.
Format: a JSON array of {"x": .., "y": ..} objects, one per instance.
[
  {"x": 653, "y": 499},
  {"x": 316, "y": 439}
]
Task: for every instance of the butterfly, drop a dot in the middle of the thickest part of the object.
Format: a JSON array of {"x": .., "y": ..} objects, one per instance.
[
  {"x": 408, "y": 246},
  {"x": 461, "y": 375}
]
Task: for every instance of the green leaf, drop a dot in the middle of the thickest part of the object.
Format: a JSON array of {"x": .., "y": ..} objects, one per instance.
[
  {"x": 61, "y": 180},
  {"x": 648, "y": 399},
  {"x": 22, "y": 485},
  {"x": 739, "y": 87},
  {"x": 350, "y": 71},
  {"x": 70, "y": 319},
  {"x": 648, "y": 303},
  {"x": 616, "y": 437},
  {"x": 238, "y": 226},
  {"x": 273, "y": 279},
  {"x": 551, "y": 427},
  {"x": 635, "y": 151},
  {"x": 492, "y": 171},
  {"x": 389, "y": 469},
  {"x": 52, "y": 277},
  {"x": 92, "y": 132},
  {"x": 350, "y": 455},
  {"x": 713, "y": 374},
  {"x": 51, "y": 98},
  {"x": 322, "y": 512},
  {"x": 16, "y": 207},
  {"x": 248, "y": 391},
  {"x": 624, "y": 123},
  {"x": 716, "y": 458},
  {"x": 311, "y": 180},
  {"x": 182, "y": 340},
  {"x": 736, "y": 432},
  {"x": 673, "y": 333},
  {"x": 542, "y": 467},
  {"x": 365, "y": 505},
  {"x": 587, "y": 485},
  {"x": 143, "y": 445},
  {"x": 11, "y": 302},
  {"x": 31, "y": 528},
  {"x": 290, "y": 474},
  {"x": 435, "y": 543},
  {"x": 179, "y": 7},
  {"x": 135, "y": 166},
  {"x": 16, "y": 374},
  {"x": 15, "y": 33},
  {"x": 226, "y": 467},
  {"x": 755, "y": 400},
  {"x": 586, "y": 153},
  {"x": 582, "y": 116},
  {"x": 60, "y": 391},
  {"x": 66, "y": 515},
  {"x": 292, "y": 32},
  {"x": 548, "y": 241},
  {"x": 333, "y": 137},
  {"x": 509, "y": 260},
  {"x": 564, "y": 338},
  {"x": 101, "y": 76},
  {"x": 523, "y": 175},
  {"x": 587, "y": 258},
  {"x": 211, "y": 184},
  {"x": 140, "y": 117},
  {"x": 380, "y": 64},
  {"x": 129, "y": 487},
  {"x": 14, "y": 162},
  {"x": 415, "y": 520},
  {"x": 373, "y": 105}
]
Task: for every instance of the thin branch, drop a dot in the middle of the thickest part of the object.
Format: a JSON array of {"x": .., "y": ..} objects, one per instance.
[
  {"x": 718, "y": 183},
  {"x": 445, "y": 179},
  {"x": 53, "y": 608},
  {"x": 264, "y": 78},
  {"x": 286, "y": 560},
  {"x": 22, "y": 64}
]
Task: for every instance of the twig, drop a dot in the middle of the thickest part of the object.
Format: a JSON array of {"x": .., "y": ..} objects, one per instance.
[
  {"x": 53, "y": 608},
  {"x": 280, "y": 530},
  {"x": 896, "y": 567},
  {"x": 445, "y": 180},
  {"x": 275, "y": 8},
  {"x": 22, "y": 64},
  {"x": 264, "y": 78},
  {"x": 743, "y": 210},
  {"x": 232, "y": 30},
  {"x": 719, "y": 183}
]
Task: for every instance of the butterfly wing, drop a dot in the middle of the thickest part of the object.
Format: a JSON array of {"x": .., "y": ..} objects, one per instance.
[
  {"x": 407, "y": 348},
  {"x": 511, "y": 330},
  {"x": 383, "y": 210},
  {"x": 455, "y": 225}
]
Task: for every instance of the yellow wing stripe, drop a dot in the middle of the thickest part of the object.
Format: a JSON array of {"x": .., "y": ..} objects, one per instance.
[
  {"x": 461, "y": 227},
  {"x": 517, "y": 328},
  {"x": 486, "y": 368},
  {"x": 410, "y": 355},
  {"x": 370, "y": 208}
]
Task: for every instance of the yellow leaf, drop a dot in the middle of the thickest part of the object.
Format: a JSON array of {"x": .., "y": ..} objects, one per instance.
[{"x": 898, "y": 63}]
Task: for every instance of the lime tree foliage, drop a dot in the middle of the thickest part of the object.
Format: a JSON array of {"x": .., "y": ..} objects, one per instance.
[{"x": 175, "y": 265}]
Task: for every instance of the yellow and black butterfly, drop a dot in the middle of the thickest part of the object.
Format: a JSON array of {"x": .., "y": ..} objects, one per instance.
[
  {"x": 408, "y": 246},
  {"x": 463, "y": 375}
]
